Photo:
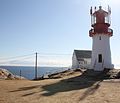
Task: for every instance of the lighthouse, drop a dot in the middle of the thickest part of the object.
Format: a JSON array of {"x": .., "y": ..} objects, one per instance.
[{"x": 101, "y": 33}]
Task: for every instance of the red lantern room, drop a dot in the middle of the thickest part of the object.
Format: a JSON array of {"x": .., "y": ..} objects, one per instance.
[{"x": 100, "y": 22}]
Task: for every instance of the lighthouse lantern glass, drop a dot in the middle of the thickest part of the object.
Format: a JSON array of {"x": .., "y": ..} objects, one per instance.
[
  {"x": 107, "y": 19},
  {"x": 93, "y": 20}
]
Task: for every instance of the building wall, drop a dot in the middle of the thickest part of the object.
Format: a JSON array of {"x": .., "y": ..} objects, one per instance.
[
  {"x": 88, "y": 60},
  {"x": 75, "y": 63},
  {"x": 85, "y": 63},
  {"x": 101, "y": 45}
]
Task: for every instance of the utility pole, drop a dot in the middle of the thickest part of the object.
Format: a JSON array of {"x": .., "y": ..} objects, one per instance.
[
  {"x": 36, "y": 66},
  {"x": 20, "y": 73}
]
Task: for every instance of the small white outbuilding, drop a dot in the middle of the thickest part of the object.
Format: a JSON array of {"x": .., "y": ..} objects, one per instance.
[{"x": 81, "y": 59}]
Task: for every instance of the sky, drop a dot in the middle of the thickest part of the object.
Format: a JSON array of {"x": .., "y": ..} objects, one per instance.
[{"x": 52, "y": 27}]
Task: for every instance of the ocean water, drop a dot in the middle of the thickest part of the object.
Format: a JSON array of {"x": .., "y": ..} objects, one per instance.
[{"x": 29, "y": 72}]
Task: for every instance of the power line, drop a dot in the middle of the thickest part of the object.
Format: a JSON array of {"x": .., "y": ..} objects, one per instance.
[
  {"x": 40, "y": 54},
  {"x": 14, "y": 57},
  {"x": 15, "y": 60},
  {"x": 28, "y": 56},
  {"x": 54, "y": 54}
]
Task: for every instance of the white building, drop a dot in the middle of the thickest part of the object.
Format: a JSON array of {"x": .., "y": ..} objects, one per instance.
[
  {"x": 101, "y": 33},
  {"x": 81, "y": 59}
]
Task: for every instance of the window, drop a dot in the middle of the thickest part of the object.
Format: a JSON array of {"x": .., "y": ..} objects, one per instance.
[{"x": 100, "y": 58}]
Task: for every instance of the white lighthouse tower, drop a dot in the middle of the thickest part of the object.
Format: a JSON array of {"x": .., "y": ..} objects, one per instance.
[{"x": 101, "y": 33}]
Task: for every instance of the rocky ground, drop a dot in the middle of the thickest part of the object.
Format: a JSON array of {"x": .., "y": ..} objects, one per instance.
[
  {"x": 6, "y": 75},
  {"x": 71, "y": 87}
]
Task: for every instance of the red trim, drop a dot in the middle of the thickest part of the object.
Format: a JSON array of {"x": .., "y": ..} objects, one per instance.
[{"x": 92, "y": 33}]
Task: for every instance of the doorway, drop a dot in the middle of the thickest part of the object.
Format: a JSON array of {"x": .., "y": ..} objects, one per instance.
[{"x": 99, "y": 58}]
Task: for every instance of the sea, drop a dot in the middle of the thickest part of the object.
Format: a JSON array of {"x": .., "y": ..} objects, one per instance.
[{"x": 29, "y": 72}]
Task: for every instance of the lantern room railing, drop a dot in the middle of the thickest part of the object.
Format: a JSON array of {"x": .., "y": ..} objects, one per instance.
[{"x": 92, "y": 32}]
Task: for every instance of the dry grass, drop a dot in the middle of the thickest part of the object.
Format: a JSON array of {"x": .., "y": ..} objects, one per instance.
[{"x": 74, "y": 88}]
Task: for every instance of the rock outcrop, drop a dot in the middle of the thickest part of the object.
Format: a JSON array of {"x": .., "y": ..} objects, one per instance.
[{"x": 7, "y": 75}]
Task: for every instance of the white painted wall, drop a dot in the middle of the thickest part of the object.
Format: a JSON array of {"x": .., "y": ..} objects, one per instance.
[
  {"x": 80, "y": 64},
  {"x": 87, "y": 63},
  {"x": 101, "y": 47},
  {"x": 88, "y": 60},
  {"x": 75, "y": 63}
]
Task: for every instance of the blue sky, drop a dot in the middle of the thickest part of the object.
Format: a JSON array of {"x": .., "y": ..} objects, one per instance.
[{"x": 51, "y": 26}]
